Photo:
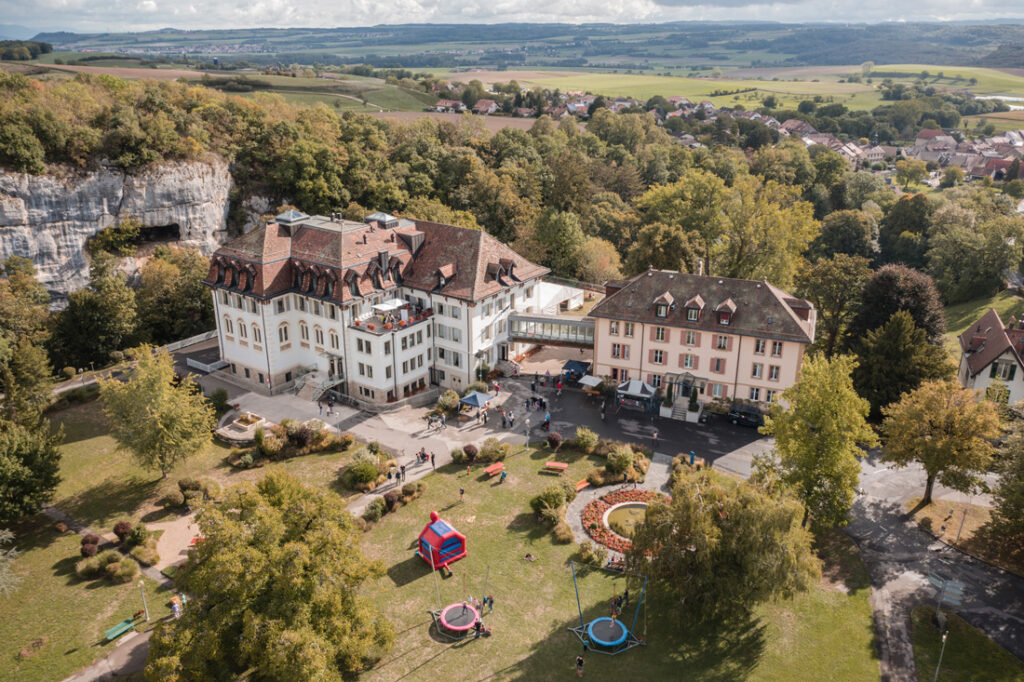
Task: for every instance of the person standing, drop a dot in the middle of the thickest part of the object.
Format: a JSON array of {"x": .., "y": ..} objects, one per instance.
[
  {"x": 559, "y": 385},
  {"x": 403, "y": 472},
  {"x": 504, "y": 474},
  {"x": 432, "y": 458},
  {"x": 462, "y": 494},
  {"x": 579, "y": 666},
  {"x": 490, "y": 598},
  {"x": 504, "y": 420},
  {"x": 511, "y": 420},
  {"x": 654, "y": 439},
  {"x": 444, "y": 421},
  {"x": 533, "y": 386}
]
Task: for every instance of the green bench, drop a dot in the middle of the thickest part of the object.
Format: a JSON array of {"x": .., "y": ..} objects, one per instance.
[{"x": 119, "y": 629}]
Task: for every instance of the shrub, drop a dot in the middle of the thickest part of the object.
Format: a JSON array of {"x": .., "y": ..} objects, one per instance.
[
  {"x": 593, "y": 554},
  {"x": 117, "y": 356},
  {"x": 146, "y": 554},
  {"x": 91, "y": 539},
  {"x": 553, "y": 496},
  {"x": 410, "y": 489},
  {"x": 375, "y": 510},
  {"x": 245, "y": 461},
  {"x": 121, "y": 529},
  {"x": 345, "y": 441},
  {"x": 88, "y": 567},
  {"x": 109, "y": 556},
  {"x": 219, "y": 400},
  {"x": 493, "y": 450},
  {"x": 391, "y": 498},
  {"x": 374, "y": 448},
  {"x": 586, "y": 440},
  {"x": 458, "y": 456},
  {"x": 112, "y": 568},
  {"x": 211, "y": 489},
  {"x": 185, "y": 484},
  {"x": 554, "y": 440},
  {"x": 69, "y": 372},
  {"x": 127, "y": 570},
  {"x": 562, "y": 533},
  {"x": 595, "y": 478},
  {"x": 138, "y": 535},
  {"x": 193, "y": 497},
  {"x": 88, "y": 550},
  {"x": 620, "y": 459},
  {"x": 448, "y": 401},
  {"x": 302, "y": 436},
  {"x": 475, "y": 386},
  {"x": 362, "y": 472},
  {"x": 176, "y": 498},
  {"x": 569, "y": 490},
  {"x": 471, "y": 451},
  {"x": 692, "y": 407}
]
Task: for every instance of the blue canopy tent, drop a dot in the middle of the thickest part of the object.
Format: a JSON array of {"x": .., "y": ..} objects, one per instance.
[
  {"x": 574, "y": 369},
  {"x": 476, "y": 399}
]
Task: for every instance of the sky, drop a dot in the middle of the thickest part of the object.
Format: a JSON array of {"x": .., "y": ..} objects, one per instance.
[{"x": 141, "y": 15}]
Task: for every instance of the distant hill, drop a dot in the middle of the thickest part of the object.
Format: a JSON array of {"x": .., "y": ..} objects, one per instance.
[{"x": 14, "y": 32}]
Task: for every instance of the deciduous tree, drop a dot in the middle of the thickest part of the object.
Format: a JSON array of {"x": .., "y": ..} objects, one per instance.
[
  {"x": 698, "y": 549},
  {"x": 893, "y": 288},
  {"x": 849, "y": 232},
  {"x": 599, "y": 261},
  {"x": 664, "y": 247},
  {"x": 817, "y": 436},
  {"x": 834, "y": 287},
  {"x": 910, "y": 171},
  {"x": 159, "y": 422},
  {"x": 559, "y": 234},
  {"x": 9, "y": 580},
  {"x": 274, "y": 589},
  {"x": 944, "y": 428},
  {"x": 29, "y": 468},
  {"x": 172, "y": 301},
  {"x": 1007, "y": 521}
]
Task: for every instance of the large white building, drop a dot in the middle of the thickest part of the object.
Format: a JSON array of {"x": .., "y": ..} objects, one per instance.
[{"x": 377, "y": 310}]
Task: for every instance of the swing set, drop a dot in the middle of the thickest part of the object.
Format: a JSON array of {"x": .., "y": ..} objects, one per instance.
[
  {"x": 457, "y": 621},
  {"x": 609, "y": 635}
]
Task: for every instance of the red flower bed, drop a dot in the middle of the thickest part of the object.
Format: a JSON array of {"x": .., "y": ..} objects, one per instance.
[{"x": 593, "y": 514}]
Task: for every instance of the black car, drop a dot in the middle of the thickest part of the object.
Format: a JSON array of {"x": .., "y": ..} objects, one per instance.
[{"x": 746, "y": 415}]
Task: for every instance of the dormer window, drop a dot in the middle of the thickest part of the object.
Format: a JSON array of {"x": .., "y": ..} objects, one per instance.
[
  {"x": 724, "y": 319},
  {"x": 661, "y": 310},
  {"x": 692, "y": 314}
]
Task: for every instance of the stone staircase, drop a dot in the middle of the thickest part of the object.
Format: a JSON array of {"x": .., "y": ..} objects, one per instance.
[{"x": 680, "y": 406}]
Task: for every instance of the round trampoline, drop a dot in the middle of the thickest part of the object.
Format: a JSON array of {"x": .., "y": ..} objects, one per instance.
[
  {"x": 607, "y": 632},
  {"x": 458, "y": 617}
]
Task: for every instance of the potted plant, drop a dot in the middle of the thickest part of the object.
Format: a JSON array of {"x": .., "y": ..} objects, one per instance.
[
  {"x": 388, "y": 325},
  {"x": 402, "y": 323},
  {"x": 358, "y": 323},
  {"x": 371, "y": 327}
]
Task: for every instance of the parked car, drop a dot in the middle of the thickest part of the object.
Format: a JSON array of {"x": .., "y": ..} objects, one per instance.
[{"x": 746, "y": 415}]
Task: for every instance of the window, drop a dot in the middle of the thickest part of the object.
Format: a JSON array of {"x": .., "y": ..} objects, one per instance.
[
  {"x": 629, "y": 329},
  {"x": 224, "y": 298},
  {"x": 656, "y": 380},
  {"x": 238, "y": 301},
  {"x": 387, "y": 372},
  {"x": 303, "y": 331},
  {"x": 688, "y": 361},
  {"x": 716, "y": 390},
  {"x": 243, "y": 331},
  {"x": 757, "y": 371},
  {"x": 282, "y": 333},
  {"x": 442, "y": 353},
  {"x": 405, "y": 343},
  {"x": 613, "y": 328},
  {"x": 229, "y": 327},
  {"x": 759, "y": 345},
  {"x": 369, "y": 371},
  {"x": 363, "y": 346},
  {"x": 624, "y": 375},
  {"x": 691, "y": 314},
  {"x": 440, "y": 308},
  {"x": 659, "y": 357},
  {"x": 661, "y": 310},
  {"x": 456, "y": 360},
  {"x": 246, "y": 371},
  {"x": 723, "y": 319},
  {"x": 456, "y": 312},
  {"x": 318, "y": 336},
  {"x": 773, "y": 373},
  {"x": 334, "y": 339},
  {"x": 691, "y": 338},
  {"x": 419, "y": 335},
  {"x": 529, "y": 292},
  {"x": 616, "y": 350},
  {"x": 387, "y": 348},
  {"x": 776, "y": 349},
  {"x": 332, "y": 312},
  {"x": 718, "y": 365},
  {"x": 615, "y": 374},
  {"x": 302, "y": 303},
  {"x": 405, "y": 367},
  {"x": 252, "y": 305},
  {"x": 362, "y": 370},
  {"x": 1003, "y": 370},
  {"x": 770, "y": 396},
  {"x": 257, "y": 335},
  {"x": 456, "y": 334},
  {"x": 441, "y": 331},
  {"x": 487, "y": 310},
  {"x": 659, "y": 333},
  {"x": 723, "y": 342},
  {"x": 755, "y": 394}
]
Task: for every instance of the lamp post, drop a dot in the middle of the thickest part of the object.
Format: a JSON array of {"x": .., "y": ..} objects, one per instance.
[
  {"x": 142, "y": 589},
  {"x": 941, "y": 651}
]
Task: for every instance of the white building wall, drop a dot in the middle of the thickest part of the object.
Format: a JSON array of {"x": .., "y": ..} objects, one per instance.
[{"x": 981, "y": 381}]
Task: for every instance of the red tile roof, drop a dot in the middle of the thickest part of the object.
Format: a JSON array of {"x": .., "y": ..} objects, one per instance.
[{"x": 988, "y": 339}]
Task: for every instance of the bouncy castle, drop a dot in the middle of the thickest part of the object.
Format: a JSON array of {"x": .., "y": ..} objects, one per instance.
[{"x": 440, "y": 544}]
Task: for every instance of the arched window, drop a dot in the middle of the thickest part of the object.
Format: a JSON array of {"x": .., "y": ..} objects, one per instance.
[
  {"x": 318, "y": 336},
  {"x": 229, "y": 327},
  {"x": 257, "y": 336},
  {"x": 303, "y": 331},
  {"x": 282, "y": 333},
  {"x": 243, "y": 332},
  {"x": 334, "y": 339}
]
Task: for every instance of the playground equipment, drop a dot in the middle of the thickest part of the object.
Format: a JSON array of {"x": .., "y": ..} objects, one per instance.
[
  {"x": 609, "y": 635},
  {"x": 440, "y": 544}
]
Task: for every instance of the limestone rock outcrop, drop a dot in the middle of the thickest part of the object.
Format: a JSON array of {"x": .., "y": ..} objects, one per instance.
[{"x": 49, "y": 218}]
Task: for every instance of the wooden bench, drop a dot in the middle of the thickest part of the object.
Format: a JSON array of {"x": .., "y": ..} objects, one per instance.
[
  {"x": 556, "y": 467},
  {"x": 581, "y": 485},
  {"x": 495, "y": 469},
  {"x": 119, "y": 629}
]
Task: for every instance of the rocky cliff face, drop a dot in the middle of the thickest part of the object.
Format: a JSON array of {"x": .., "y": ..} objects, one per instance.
[{"x": 48, "y": 218}]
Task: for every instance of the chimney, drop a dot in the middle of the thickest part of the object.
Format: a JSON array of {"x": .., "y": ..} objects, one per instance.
[{"x": 700, "y": 267}]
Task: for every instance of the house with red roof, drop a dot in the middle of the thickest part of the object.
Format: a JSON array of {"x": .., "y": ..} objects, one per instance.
[{"x": 990, "y": 350}]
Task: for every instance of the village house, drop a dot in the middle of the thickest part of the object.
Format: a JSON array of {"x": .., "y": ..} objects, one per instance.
[
  {"x": 724, "y": 338},
  {"x": 991, "y": 351},
  {"x": 449, "y": 105},
  {"x": 376, "y": 310},
  {"x": 485, "y": 106}
]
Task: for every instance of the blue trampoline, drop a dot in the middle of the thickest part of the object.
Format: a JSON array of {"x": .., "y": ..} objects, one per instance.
[
  {"x": 607, "y": 632},
  {"x": 608, "y": 635}
]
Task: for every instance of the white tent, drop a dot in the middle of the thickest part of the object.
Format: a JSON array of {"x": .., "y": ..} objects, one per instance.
[
  {"x": 588, "y": 380},
  {"x": 636, "y": 389},
  {"x": 389, "y": 305}
]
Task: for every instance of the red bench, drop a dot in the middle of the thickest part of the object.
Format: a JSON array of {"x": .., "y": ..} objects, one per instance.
[
  {"x": 495, "y": 469},
  {"x": 581, "y": 485},
  {"x": 556, "y": 467}
]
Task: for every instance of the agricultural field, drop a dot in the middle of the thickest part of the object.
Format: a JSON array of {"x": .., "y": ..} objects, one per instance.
[{"x": 1003, "y": 121}]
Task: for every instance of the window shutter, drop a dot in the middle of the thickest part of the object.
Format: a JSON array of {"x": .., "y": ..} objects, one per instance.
[
  {"x": 668, "y": 334},
  {"x": 652, "y": 332},
  {"x": 728, "y": 343},
  {"x": 1013, "y": 370},
  {"x": 995, "y": 370},
  {"x": 723, "y": 366},
  {"x": 682, "y": 359},
  {"x": 725, "y": 390},
  {"x": 697, "y": 340},
  {"x": 696, "y": 361},
  {"x": 650, "y": 355}
]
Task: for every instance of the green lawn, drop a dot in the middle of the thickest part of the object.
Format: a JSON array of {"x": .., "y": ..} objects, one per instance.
[
  {"x": 969, "y": 655},
  {"x": 827, "y": 630},
  {"x": 960, "y": 316},
  {"x": 67, "y": 616}
]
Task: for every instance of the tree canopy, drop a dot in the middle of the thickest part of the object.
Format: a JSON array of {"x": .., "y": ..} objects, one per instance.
[
  {"x": 29, "y": 468},
  {"x": 893, "y": 288},
  {"x": 274, "y": 589},
  {"x": 834, "y": 287}
]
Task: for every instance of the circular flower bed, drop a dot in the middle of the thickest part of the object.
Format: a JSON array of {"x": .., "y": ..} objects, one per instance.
[{"x": 593, "y": 516}]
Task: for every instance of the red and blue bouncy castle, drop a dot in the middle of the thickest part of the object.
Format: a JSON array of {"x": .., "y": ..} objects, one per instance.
[{"x": 440, "y": 544}]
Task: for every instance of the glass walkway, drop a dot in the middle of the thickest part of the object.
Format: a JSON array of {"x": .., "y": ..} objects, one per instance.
[{"x": 566, "y": 330}]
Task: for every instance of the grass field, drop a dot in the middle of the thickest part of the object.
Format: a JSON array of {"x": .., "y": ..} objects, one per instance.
[
  {"x": 1003, "y": 121},
  {"x": 65, "y": 615},
  {"x": 346, "y": 92},
  {"x": 969, "y": 654},
  {"x": 827, "y": 630}
]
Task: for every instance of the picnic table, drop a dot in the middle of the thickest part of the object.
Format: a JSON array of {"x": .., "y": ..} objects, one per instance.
[
  {"x": 119, "y": 629},
  {"x": 495, "y": 469},
  {"x": 556, "y": 467}
]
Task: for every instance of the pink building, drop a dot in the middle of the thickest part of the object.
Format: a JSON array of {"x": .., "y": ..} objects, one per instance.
[{"x": 726, "y": 338}]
